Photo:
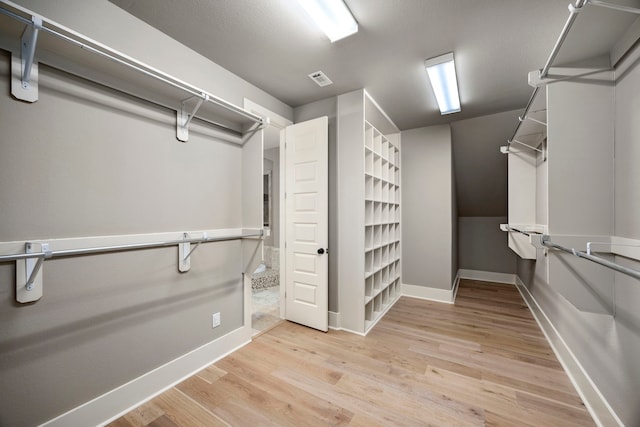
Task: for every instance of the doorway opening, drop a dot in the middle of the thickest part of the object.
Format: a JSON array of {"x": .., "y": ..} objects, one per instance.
[{"x": 265, "y": 282}]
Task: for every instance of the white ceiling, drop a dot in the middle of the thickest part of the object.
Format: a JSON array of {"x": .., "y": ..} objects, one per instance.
[{"x": 273, "y": 44}]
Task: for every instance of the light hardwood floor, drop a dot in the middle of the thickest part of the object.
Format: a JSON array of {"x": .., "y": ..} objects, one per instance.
[{"x": 482, "y": 361}]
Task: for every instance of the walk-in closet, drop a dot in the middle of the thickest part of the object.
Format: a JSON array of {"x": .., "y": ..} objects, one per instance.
[{"x": 319, "y": 212}]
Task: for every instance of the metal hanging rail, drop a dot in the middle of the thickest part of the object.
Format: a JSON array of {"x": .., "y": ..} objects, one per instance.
[
  {"x": 43, "y": 24},
  {"x": 29, "y": 263},
  {"x": 573, "y": 14},
  {"x": 128, "y": 247},
  {"x": 544, "y": 240},
  {"x": 507, "y": 227}
]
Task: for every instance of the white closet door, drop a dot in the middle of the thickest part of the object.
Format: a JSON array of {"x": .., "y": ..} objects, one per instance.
[{"x": 307, "y": 218}]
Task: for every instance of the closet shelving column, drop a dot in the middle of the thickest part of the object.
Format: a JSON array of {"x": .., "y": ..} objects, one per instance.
[
  {"x": 527, "y": 176},
  {"x": 368, "y": 149},
  {"x": 382, "y": 223}
]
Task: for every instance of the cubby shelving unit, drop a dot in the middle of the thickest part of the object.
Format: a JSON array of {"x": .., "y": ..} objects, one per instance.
[
  {"x": 382, "y": 222},
  {"x": 369, "y": 243}
]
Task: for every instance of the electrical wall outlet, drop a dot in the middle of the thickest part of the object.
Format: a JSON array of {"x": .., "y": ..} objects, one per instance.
[{"x": 215, "y": 320}]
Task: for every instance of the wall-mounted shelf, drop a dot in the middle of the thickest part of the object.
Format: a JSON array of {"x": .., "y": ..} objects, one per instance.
[{"x": 70, "y": 51}]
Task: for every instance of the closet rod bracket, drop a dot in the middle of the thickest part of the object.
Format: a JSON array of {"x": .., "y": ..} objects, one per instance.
[
  {"x": 262, "y": 124},
  {"x": 185, "y": 250},
  {"x": 24, "y": 70},
  {"x": 29, "y": 273},
  {"x": 184, "y": 117}
]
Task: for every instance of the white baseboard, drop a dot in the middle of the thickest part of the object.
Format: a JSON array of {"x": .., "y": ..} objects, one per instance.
[
  {"x": 593, "y": 399},
  {"x": 117, "y": 402},
  {"x": 487, "y": 276},
  {"x": 334, "y": 320},
  {"x": 425, "y": 292}
]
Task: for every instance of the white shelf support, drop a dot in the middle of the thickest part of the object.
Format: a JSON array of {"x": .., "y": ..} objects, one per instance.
[
  {"x": 512, "y": 141},
  {"x": 24, "y": 70},
  {"x": 184, "y": 117},
  {"x": 29, "y": 274},
  {"x": 255, "y": 128},
  {"x": 185, "y": 250}
]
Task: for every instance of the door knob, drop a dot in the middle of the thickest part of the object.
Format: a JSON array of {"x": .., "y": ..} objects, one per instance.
[{"x": 320, "y": 251}]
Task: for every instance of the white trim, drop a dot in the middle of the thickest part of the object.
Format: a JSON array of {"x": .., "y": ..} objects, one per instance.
[
  {"x": 117, "y": 402},
  {"x": 425, "y": 292},
  {"x": 335, "y": 320},
  {"x": 487, "y": 276},
  {"x": 594, "y": 401}
]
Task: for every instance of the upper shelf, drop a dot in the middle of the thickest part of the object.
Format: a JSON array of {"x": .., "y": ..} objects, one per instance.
[{"x": 65, "y": 49}]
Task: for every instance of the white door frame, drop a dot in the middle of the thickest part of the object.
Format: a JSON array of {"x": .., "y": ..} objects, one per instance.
[{"x": 280, "y": 123}]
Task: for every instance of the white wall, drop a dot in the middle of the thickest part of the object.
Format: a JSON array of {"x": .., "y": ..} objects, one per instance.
[
  {"x": 479, "y": 167},
  {"x": 102, "y": 163},
  {"x": 483, "y": 246},
  {"x": 480, "y": 172},
  {"x": 427, "y": 207}
]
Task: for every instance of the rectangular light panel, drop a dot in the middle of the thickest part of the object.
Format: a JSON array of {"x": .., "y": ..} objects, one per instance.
[
  {"x": 332, "y": 16},
  {"x": 442, "y": 75}
]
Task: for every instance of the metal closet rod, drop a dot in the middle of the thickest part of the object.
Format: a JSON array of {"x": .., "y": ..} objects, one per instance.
[
  {"x": 136, "y": 65},
  {"x": 128, "y": 247},
  {"x": 612, "y": 265},
  {"x": 573, "y": 14},
  {"x": 526, "y": 233}
]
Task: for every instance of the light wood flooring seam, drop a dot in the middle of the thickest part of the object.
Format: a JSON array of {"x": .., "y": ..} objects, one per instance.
[
  {"x": 203, "y": 408},
  {"x": 482, "y": 361}
]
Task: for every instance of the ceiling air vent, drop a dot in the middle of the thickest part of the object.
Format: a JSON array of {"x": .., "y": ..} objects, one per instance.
[{"x": 320, "y": 78}]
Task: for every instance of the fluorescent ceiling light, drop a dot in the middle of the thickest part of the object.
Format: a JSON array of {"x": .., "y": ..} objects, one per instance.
[
  {"x": 442, "y": 75},
  {"x": 332, "y": 16}
]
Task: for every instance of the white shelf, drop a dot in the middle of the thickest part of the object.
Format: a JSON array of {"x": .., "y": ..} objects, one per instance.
[{"x": 70, "y": 51}]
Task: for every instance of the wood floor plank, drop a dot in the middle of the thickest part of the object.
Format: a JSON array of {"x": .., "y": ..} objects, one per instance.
[
  {"x": 184, "y": 411},
  {"x": 480, "y": 361},
  {"x": 314, "y": 408}
]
